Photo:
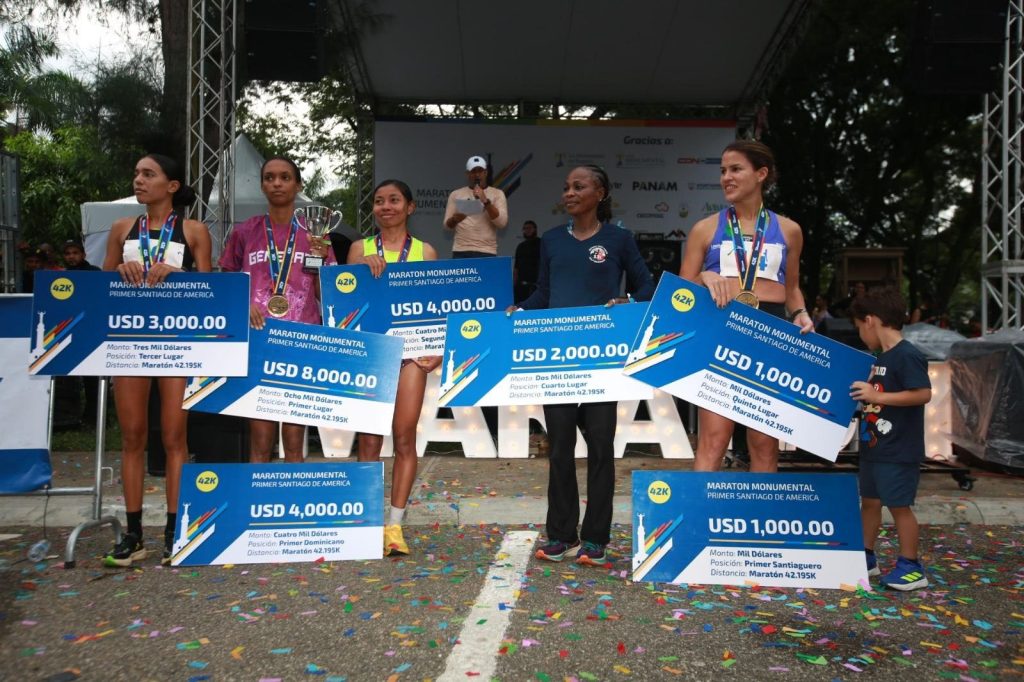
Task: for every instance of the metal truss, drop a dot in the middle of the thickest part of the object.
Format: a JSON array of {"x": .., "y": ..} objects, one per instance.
[
  {"x": 10, "y": 198},
  {"x": 211, "y": 111},
  {"x": 1002, "y": 233}
]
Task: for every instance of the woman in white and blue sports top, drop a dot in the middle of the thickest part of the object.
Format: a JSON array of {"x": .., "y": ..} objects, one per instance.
[
  {"x": 144, "y": 251},
  {"x": 392, "y": 206},
  {"x": 748, "y": 170}
]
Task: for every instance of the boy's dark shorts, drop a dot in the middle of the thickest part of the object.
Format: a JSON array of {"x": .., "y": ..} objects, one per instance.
[{"x": 894, "y": 483}]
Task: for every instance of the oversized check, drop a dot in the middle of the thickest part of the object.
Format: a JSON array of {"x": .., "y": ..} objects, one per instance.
[
  {"x": 541, "y": 357},
  {"x": 782, "y": 530},
  {"x": 24, "y": 403},
  {"x": 749, "y": 366},
  {"x": 309, "y": 374},
  {"x": 95, "y": 324},
  {"x": 412, "y": 300},
  {"x": 279, "y": 513}
]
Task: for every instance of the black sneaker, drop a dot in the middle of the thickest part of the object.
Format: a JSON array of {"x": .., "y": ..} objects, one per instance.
[
  {"x": 130, "y": 549},
  {"x": 168, "y": 553}
]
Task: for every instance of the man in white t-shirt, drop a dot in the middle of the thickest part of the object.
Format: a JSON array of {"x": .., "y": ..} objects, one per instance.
[{"x": 476, "y": 225}]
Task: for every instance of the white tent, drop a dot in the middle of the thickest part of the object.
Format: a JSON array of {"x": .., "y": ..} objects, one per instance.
[{"x": 97, "y": 216}]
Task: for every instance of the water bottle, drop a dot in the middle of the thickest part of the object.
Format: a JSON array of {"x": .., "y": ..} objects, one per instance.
[{"x": 39, "y": 551}]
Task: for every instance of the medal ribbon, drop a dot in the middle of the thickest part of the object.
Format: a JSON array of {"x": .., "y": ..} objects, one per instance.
[
  {"x": 403, "y": 256},
  {"x": 279, "y": 271},
  {"x": 166, "y": 231},
  {"x": 747, "y": 275}
]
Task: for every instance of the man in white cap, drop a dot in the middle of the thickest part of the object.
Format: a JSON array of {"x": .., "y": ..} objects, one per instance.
[{"x": 476, "y": 228}]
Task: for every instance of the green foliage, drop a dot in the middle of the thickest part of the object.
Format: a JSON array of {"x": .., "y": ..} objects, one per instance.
[
  {"x": 865, "y": 161},
  {"x": 59, "y": 171}
]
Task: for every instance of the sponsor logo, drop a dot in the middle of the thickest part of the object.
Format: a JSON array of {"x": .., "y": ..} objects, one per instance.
[
  {"x": 713, "y": 207},
  {"x": 578, "y": 159},
  {"x": 470, "y": 329},
  {"x": 627, "y": 160},
  {"x": 598, "y": 254},
  {"x": 207, "y": 481},
  {"x": 346, "y": 282},
  {"x": 703, "y": 185},
  {"x": 661, "y": 207},
  {"x": 659, "y": 492},
  {"x": 684, "y": 210},
  {"x": 649, "y": 140},
  {"x": 710, "y": 160},
  {"x": 62, "y": 288},
  {"x": 683, "y": 300},
  {"x": 655, "y": 186}
]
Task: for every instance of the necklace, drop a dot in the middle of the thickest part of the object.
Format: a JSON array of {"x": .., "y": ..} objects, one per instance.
[{"x": 578, "y": 233}]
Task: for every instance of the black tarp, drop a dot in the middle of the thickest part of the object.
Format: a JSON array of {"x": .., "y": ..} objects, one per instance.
[{"x": 988, "y": 398}]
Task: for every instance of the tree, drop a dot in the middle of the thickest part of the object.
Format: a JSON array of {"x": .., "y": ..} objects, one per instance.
[{"x": 868, "y": 162}]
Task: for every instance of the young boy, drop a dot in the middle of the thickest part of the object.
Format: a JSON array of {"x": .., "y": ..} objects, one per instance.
[{"x": 892, "y": 432}]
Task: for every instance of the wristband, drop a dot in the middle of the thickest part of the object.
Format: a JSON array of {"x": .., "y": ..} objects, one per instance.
[{"x": 796, "y": 313}]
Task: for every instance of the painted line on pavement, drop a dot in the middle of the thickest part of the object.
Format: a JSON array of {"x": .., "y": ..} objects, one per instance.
[{"x": 477, "y": 650}]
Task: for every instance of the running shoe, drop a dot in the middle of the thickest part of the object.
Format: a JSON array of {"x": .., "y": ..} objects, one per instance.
[
  {"x": 124, "y": 553},
  {"x": 872, "y": 561},
  {"x": 591, "y": 554},
  {"x": 908, "y": 575},
  {"x": 394, "y": 541},
  {"x": 168, "y": 550},
  {"x": 556, "y": 550}
]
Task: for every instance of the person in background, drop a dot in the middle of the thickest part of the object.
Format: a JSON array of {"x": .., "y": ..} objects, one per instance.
[
  {"x": 74, "y": 261},
  {"x": 820, "y": 312},
  {"x": 33, "y": 260},
  {"x": 476, "y": 234},
  {"x": 392, "y": 206},
  {"x": 582, "y": 264},
  {"x": 524, "y": 268},
  {"x": 279, "y": 287},
  {"x": 74, "y": 256},
  {"x": 145, "y": 251}
]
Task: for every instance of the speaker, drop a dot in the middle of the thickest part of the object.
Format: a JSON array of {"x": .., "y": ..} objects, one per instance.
[
  {"x": 283, "y": 41},
  {"x": 957, "y": 47},
  {"x": 661, "y": 255}
]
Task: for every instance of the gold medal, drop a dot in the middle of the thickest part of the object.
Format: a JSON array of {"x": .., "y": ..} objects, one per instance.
[
  {"x": 748, "y": 298},
  {"x": 277, "y": 305}
]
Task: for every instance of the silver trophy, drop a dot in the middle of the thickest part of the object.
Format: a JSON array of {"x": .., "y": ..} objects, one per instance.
[{"x": 320, "y": 221}]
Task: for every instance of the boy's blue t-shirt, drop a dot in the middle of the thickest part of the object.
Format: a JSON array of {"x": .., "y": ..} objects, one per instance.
[{"x": 889, "y": 433}]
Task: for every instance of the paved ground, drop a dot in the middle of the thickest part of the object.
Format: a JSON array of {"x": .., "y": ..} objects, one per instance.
[
  {"x": 402, "y": 619},
  {"x": 429, "y": 616}
]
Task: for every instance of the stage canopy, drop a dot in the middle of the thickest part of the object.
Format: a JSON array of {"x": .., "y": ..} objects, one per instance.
[{"x": 715, "y": 56}]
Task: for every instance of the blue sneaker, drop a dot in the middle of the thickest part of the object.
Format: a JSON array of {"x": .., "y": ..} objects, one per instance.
[
  {"x": 908, "y": 575},
  {"x": 591, "y": 554},
  {"x": 872, "y": 561},
  {"x": 556, "y": 550}
]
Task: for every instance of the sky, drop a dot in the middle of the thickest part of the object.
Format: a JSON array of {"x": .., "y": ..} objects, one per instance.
[{"x": 86, "y": 40}]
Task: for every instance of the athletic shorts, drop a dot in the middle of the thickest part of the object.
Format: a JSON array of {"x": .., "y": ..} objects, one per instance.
[{"x": 894, "y": 483}]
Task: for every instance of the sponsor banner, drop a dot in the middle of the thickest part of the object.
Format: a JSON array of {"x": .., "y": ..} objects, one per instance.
[
  {"x": 413, "y": 300},
  {"x": 279, "y": 513},
  {"x": 95, "y": 324},
  {"x": 664, "y": 174},
  {"x": 24, "y": 402},
  {"x": 309, "y": 374},
  {"x": 779, "y": 530},
  {"x": 541, "y": 357},
  {"x": 749, "y": 366}
]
